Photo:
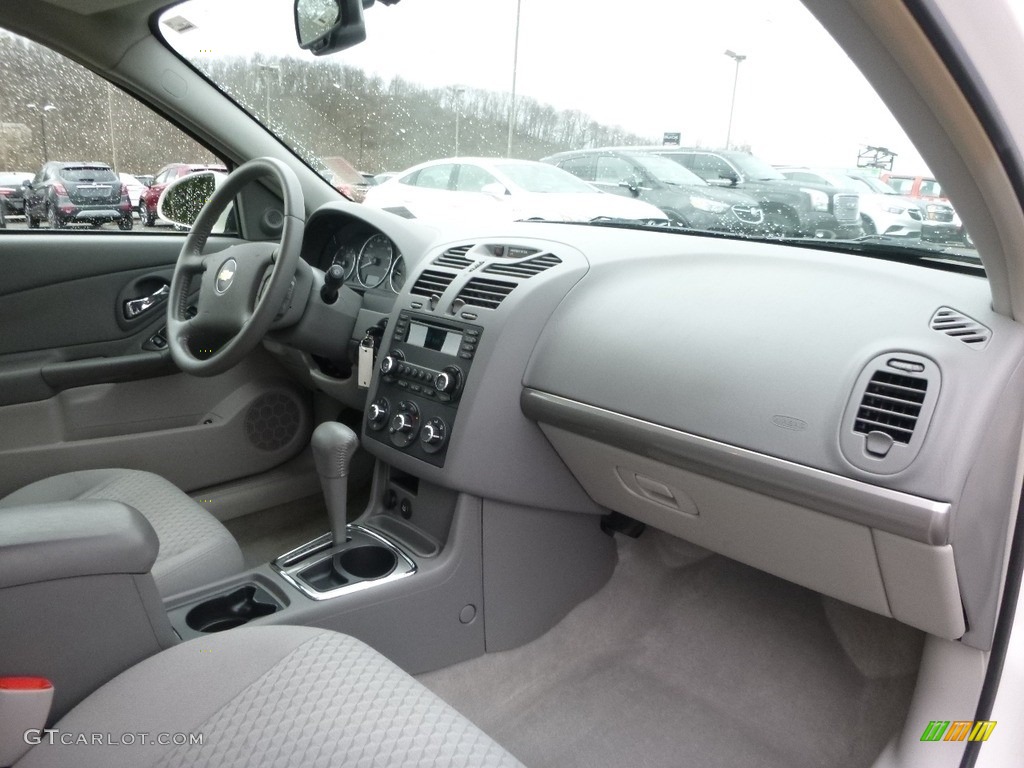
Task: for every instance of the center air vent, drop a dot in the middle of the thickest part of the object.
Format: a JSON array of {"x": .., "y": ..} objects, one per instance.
[
  {"x": 454, "y": 258},
  {"x": 891, "y": 404},
  {"x": 889, "y": 412},
  {"x": 431, "y": 283},
  {"x": 527, "y": 268},
  {"x": 960, "y": 326},
  {"x": 482, "y": 292}
]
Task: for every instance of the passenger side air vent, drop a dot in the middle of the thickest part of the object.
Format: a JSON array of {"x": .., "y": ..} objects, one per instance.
[
  {"x": 482, "y": 292},
  {"x": 891, "y": 404},
  {"x": 527, "y": 268},
  {"x": 961, "y": 327},
  {"x": 454, "y": 258},
  {"x": 889, "y": 412},
  {"x": 431, "y": 283}
]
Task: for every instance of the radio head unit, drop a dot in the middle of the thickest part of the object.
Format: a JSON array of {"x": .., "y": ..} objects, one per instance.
[{"x": 421, "y": 380}]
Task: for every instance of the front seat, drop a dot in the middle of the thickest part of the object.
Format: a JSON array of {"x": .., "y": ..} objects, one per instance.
[
  {"x": 195, "y": 549},
  {"x": 271, "y": 697}
]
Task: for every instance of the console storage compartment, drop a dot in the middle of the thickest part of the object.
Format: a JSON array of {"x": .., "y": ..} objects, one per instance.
[{"x": 75, "y": 589}]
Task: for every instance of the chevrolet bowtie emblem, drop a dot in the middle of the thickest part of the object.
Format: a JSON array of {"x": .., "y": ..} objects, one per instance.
[{"x": 225, "y": 275}]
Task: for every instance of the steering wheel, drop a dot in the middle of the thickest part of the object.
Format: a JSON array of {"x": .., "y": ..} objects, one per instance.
[{"x": 243, "y": 287}]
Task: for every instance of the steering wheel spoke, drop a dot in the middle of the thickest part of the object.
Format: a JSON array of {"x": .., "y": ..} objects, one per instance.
[{"x": 242, "y": 287}]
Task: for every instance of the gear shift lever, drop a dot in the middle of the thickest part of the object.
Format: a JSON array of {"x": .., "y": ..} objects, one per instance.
[{"x": 334, "y": 445}]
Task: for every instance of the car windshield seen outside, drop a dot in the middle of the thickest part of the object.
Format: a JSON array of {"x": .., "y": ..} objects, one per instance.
[{"x": 400, "y": 100}]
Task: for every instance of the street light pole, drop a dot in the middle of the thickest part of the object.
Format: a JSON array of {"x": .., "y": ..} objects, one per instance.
[
  {"x": 267, "y": 68},
  {"x": 458, "y": 114},
  {"x": 738, "y": 58},
  {"x": 515, "y": 66},
  {"x": 42, "y": 122}
]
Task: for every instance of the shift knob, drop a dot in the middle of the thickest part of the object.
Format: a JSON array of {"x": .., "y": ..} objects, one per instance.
[{"x": 334, "y": 445}]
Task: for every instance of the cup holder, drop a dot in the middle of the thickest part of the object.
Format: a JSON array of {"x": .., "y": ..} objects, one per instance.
[
  {"x": 368, "y": 562},
  {"x": 231, "y": 610}
]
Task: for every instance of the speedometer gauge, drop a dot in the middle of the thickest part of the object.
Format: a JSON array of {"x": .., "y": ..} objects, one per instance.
[
  {"x": 374, "y": 261},
  {"x": 398, "y": 275}
]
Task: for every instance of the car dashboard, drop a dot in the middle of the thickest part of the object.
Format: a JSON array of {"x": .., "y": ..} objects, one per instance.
[{"x": 832, "y": 419}]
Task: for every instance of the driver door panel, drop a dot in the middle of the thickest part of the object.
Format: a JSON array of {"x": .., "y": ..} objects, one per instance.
[{"x": 82, "y": 385}]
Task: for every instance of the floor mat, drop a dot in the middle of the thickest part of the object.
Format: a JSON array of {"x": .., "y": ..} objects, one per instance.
[{"x": 692, "y": 659}]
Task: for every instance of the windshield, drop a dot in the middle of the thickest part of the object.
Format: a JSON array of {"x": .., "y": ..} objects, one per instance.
[
  {"x": 755, "y": 168},
  {"x": 542, "y": 178},
  {"x": 875, "y": 185},
  {"x": 668, "y": 171},
  {"x": 471, "y": 79},
  {"x": 84, "y": 173}
]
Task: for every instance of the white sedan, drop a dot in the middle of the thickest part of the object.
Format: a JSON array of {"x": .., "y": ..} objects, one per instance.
[{"x": 502, "y": 189}]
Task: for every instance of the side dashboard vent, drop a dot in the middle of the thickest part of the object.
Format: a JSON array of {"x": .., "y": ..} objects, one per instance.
[
  {"x": 482, "y": 292},
  {"x": 891, "y": 404},
  {"x": 455, "y": 258},
  {"x": 431, "y": 283},
  {"x": 959, "y": 326},
  {"x": 527, "y": 268}
]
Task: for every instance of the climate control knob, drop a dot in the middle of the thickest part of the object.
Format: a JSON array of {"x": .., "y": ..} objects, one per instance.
[
  {"x": 404, "y": 425},
  {"x": 448, "y": 381},
  {"x": 434, "y": 435},
  {"x": 377, "y": 414},
  {"x": 403, "y": 422}
]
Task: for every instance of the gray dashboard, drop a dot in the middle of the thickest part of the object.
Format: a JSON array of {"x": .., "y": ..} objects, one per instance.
[{"x": 869, "y": 399}]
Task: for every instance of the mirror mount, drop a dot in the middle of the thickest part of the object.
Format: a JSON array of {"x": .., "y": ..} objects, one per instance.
[{"x": 329, "y": 26}]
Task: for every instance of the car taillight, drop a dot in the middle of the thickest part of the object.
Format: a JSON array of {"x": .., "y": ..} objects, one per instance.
[
  {"x": 124, "y": 190},
  {"x": 5, "y": 192},
  {"x": 58, "y": 189}
]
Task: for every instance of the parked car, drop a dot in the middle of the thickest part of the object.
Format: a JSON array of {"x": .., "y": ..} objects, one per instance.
[
  {"x": 12, "y": 191},
  {"x": 78, "y": 192},
  {"x": 684, "y": 197},
  {"x": 883, "y": 210},
  {"x": 135, "y": 188},
  {"x": 802, "y": 209},
  {"x": 503, "y": 190},
  {"x": 942, "y": 224},
  {"x": 151, "y": 195},
  {"x": 914, "y": 186}
]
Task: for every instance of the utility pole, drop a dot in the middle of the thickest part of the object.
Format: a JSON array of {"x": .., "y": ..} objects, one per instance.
[
  {"x": 515, "y": 66},
  {"x": 42, "y": 110},
  {"x": 738, "y": 58}
]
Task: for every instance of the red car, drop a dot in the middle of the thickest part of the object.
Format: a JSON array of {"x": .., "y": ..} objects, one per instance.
[{"x": 167, "y": 174}]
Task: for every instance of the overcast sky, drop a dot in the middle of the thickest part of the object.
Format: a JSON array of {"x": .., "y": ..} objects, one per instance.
[{"x": 651, "y": 66}]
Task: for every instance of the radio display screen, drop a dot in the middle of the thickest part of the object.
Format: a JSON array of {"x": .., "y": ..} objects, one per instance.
[{"x": 430, "y": 337}]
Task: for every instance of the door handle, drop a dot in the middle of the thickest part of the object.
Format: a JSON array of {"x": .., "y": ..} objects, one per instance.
[{"x": 135, "y": 307}]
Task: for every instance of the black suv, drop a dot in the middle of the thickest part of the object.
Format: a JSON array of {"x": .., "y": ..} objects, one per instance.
[
  {"x": 685, "y": 198},
  {"x": 798, "y": 209},
  {"x": 77, "y": 192}
]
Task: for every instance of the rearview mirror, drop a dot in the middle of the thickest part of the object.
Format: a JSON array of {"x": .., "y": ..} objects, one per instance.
[
  {"x": 328, "y": 26},
  {"x": 183, "y": 199}
]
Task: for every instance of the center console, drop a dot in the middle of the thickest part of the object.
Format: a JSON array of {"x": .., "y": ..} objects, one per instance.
[{"x": 421, "y": 381}]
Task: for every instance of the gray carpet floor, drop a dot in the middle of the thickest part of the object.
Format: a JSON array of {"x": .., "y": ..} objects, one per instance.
[{"x": 691, "y": 659}]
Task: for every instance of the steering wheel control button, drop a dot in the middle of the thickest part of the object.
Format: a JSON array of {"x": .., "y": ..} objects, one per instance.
[{"x": 225, "y": 276}]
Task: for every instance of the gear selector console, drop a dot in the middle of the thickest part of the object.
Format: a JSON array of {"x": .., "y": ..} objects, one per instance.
[{"x": 420, "y": 384}]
